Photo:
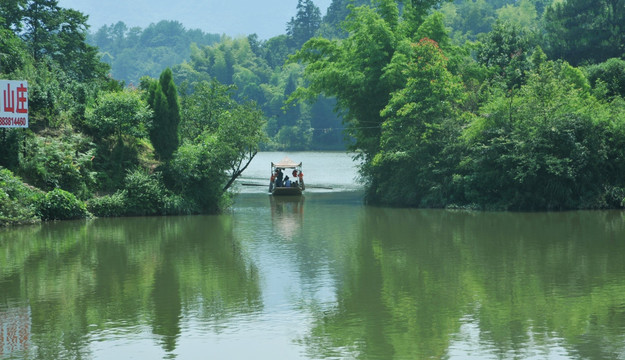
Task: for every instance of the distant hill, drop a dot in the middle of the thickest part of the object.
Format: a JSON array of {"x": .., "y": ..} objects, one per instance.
[{"x": 266, "y": 18}]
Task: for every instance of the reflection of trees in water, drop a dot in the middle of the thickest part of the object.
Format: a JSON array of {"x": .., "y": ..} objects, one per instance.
[
  {"x": 525, "y": 280},
  {"x": 81, "y": 277},
  {"x": 167, "y": 305}
]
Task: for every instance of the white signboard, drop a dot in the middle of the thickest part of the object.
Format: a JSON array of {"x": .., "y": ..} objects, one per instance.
[{"x": 13, "y": 104}]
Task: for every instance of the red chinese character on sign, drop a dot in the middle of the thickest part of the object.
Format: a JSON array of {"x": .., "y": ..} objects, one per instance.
[
  {"x": 9, "y": 102},
  {"x": 22, "y": 106}
]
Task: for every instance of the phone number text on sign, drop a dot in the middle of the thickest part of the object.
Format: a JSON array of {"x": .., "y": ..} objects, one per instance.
[{"x": 13, "y": 103}]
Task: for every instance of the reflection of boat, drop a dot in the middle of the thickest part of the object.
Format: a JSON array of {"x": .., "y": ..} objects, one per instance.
[
  {"x": 287, "y": 214},
  {"x": 278, "y": 184}
]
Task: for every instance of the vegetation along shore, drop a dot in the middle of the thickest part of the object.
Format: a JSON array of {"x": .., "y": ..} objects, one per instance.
[{"x": 492, "y": 104}]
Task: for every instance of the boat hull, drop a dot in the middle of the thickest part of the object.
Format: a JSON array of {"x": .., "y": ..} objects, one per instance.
[{"x": 286, "y": 191}]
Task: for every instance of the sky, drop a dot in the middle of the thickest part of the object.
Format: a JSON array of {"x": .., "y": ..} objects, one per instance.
[{"x": 267, "y": 18}]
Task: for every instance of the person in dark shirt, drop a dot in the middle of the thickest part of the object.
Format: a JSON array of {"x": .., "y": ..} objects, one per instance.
[{"x": 279, "y": 178}]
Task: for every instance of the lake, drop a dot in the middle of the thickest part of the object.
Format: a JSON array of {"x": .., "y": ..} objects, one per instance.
[{"x": 320, "y": 277}]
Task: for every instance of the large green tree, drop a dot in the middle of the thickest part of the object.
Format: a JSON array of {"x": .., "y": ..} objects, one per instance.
[
  {"x": 361, "y": 71},
  {"x": 117, "y": 121},
  {"x": 414, "y": 165},
  {"x": 220, "y": 139},
  {"x": 60, "y": 34},
  {"x": 608, "y": 77},
  {"x": 505, "y": 50}
]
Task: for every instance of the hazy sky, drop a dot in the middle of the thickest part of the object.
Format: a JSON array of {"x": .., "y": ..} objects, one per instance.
[{"x": 267, "y": 18}]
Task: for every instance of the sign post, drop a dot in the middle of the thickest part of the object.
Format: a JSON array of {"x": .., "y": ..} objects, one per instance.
[{"x": 13, "y": 104}]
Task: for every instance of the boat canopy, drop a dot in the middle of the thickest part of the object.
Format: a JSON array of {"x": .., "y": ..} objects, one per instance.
[{"x": 286, "y": 163}]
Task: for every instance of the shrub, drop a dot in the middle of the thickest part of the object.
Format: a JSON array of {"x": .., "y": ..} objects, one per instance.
[
  {"x": 178, "y": 205},
  {"x": 145, "y": 193},
  {"x": 15, "y": 200},
  {"x": 59, "y": 204},
  {"x": 108, "y": 206},
  {"x": 62, "y": 161},
  {"x": 197, "y": 173}
]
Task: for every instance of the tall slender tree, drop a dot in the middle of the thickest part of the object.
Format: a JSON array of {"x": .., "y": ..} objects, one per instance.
[{"x": 163, "y": 98}]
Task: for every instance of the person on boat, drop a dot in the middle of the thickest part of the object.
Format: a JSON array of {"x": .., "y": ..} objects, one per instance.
[
  {"x": 287, "y": 181},
  {"x": 271, "y": 181},
  {"x": 279, "y": 178},
  {"x": 295, "y": 173}
]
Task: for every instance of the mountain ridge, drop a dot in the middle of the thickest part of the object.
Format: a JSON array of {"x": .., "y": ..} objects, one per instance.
[{"x": 233, "y": 18}]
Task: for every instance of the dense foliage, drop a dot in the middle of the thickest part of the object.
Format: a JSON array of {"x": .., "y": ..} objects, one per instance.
[
  {"x": 135, "y": 52},
  {"x": 255, "y": 66},
  {"x": 91, "y": 141},
  {"x": 493, "y": 124},
  {"x": 16, "y": 200},
  {"x": 490, "y": 104}
]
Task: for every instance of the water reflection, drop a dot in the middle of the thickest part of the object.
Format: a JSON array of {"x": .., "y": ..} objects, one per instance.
[
  {"x": 287, "y": 215},
  {"x": 88, "y": 278},
  {"x": 317, "y": 277},
  {"x": 421, "y": 282}
]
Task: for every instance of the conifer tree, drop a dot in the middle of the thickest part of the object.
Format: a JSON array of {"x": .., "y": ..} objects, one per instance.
[
  {"x": 305, "y": 24},
  {"x": 163, "y": 98}
]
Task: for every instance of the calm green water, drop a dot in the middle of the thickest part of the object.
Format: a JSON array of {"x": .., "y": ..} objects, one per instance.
[{"x": 320, "y": 278}]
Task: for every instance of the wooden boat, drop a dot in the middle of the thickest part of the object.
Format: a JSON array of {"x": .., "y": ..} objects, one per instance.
[{"x": 278, "y": 184}]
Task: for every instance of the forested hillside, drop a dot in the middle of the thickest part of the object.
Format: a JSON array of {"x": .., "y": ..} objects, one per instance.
[
  {"x": 255, "y": 68},
  {"x": 134, "y": 52},
  {"x": 95, "y": 146},
  {"x": 486, "y": 104}
]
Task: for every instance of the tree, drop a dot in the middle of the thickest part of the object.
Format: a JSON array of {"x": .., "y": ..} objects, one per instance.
[
  {"x": 11, "y": 14},
  {"x": 338, "y": 11},
  {"x": 239, "y": 136},
  {"x": 276, "y": 51},
  {"x": 117, "y": 121},
  {"x": 474, "y": 17},
  {"x": 163, "y": 98},
  {"x": 13, "y": 53},
  {"x": 80, "y": 60},
  {"x": 352, "y": 70},
  {"x": 549, "y": 146},
  {"x": 119, "y": 114},
  {"x": 60, "y": 34},
  {"x": 421, "y": 121},
  {"x": 505, "y": 49},
  {"x": 41, "y": 18},
  {"x": 608, "y": 77},
  {"x": 585, "y": 30},
  {"x": 305, "y": 24},
  {"x": 358, "y": 71},
  {"x": 221, "y": 137},
  {"x": 203, "y": 106},
  {"x": 522, "y": 14}
]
